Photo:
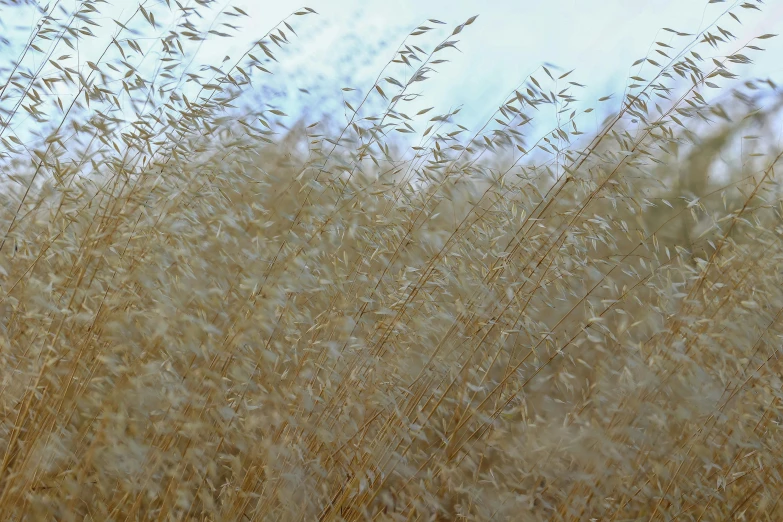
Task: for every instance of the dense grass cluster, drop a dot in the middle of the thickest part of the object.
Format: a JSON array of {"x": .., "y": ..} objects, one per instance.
[{"x": 212, "y": 311}]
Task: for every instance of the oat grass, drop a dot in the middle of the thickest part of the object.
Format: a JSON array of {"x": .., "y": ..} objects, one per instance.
[{"x": 212, "y": 311}]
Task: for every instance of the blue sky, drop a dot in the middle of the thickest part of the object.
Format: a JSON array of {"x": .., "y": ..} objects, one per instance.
[
  {"x": 349, "y": 41},
  {"x": 509, "y": 40}
]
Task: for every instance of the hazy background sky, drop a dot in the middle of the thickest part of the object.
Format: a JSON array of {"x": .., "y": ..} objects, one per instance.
[
  {"x": 349, "y": 41},
  {"x": 509, "y": 40}
]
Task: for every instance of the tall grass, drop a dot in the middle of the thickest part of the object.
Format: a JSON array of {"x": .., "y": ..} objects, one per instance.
[{"x": 212, "y": 311}]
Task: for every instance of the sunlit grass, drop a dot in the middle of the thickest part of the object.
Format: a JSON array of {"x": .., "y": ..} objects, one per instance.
[{"x": 212, "y": 310}]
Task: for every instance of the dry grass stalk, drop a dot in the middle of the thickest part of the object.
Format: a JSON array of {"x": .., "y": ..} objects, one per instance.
[{"x": 199, "y": 321}]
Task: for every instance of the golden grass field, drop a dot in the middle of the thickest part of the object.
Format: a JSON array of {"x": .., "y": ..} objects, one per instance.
[{"x": 210, "y": 310}]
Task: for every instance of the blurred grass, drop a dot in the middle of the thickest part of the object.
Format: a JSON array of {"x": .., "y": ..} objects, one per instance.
[{"x": 211, "y": 311}]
